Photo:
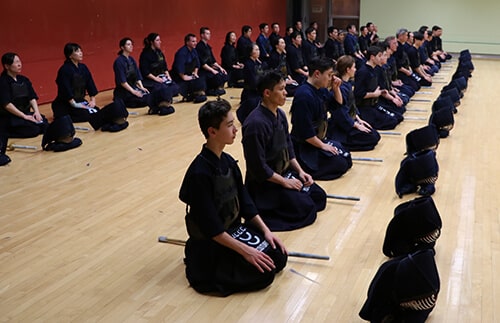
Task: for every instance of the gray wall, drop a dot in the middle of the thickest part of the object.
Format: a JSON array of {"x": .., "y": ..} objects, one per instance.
[{"x": 472, "y": 24}]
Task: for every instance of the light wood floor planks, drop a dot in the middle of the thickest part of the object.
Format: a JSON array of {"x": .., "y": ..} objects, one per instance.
[{"x": 78, "y": 229}]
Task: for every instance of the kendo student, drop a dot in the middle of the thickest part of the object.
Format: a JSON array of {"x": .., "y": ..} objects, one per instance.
[
  {"x": 185, "y": 71},
  {"x": 331, "y": 48},
  {"x": 129, "y": 87},
  {"x": 218, "y": 260},
  {"x": 229, "y": 61},
  {"x": 309, "y": 48},
  {"x": 391, "y": 47},
  {"x": 74, "y": 81},
  {"x": 215, "y": 75},
  {"x": 430, "y": 66},
  {"x": 264, "y": 42},
  {"x": 318, "y": 155},
  {"x": 367, "y": 92},
  {"x": 298, "y": 69},
  {"x": 18, "y": 101},
  {"x": 390, "y": 98},
  {"x": 254, "y": 68},
  {"x": 345, "y": 124},
  {"x": 437, "y": 43},
  {"x": 405, "y": 72},
  {"x": 351, "y": 44},
  {"x": 415, "y": 61},
  {"x": 275, "y": 34},
  {"x": 363, "y": 39},
  {"x": 244, "y": 42},
  {"x": 287, "y": 197},
  {"x": 154, "y": 69},
  {"x": 278, "y": 62}
]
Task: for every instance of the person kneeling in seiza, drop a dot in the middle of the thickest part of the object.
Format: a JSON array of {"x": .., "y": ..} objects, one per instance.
[
  {"x": 287, "y": 197},
  {"x": 224, "y": 256}
]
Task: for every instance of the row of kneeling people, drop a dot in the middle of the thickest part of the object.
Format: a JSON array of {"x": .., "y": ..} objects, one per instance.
[
  {"x": 195, "y": 73},
  {"x": 20, "y": 116},
  {"x": 224, "y": 254}
]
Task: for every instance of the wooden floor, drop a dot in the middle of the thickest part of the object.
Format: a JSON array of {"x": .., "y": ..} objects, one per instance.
[{"x": 79, "y": 229}]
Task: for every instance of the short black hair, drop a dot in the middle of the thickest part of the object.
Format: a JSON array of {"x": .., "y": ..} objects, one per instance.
[
  {"x": 8, "y": 58},
  {"x": 263, "y": 25},
  {"x": 310, "y": 30},
  {"x": 373, "y": 51},
  {"x": 423, "y": 29},
  {"x": 418, "y": 35},
  {"x": 188, "y": 37},
  {"x": 203, "y": 29},
  {"x": 268, "y": 81},
  {"x": 321, "y": 64},
  {"x": 295, "y": 34},
  {"x": 211, "y": 114},
  {"x": 70, "y": 48},
  {"x": 275, "y": 41},
  {"x": 245, "y": 29}
]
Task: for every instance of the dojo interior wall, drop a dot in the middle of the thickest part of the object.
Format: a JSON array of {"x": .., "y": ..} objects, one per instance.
[
  {"x": 465, "y": 23},
  {"x": 37, "y": 30}
]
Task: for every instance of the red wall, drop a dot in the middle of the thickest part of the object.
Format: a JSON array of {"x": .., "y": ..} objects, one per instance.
[{"x": 38, "y": 29}]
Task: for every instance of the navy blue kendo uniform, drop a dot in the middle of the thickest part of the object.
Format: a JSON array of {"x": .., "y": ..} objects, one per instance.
[
  {"x": 242, "y": 47},
  {"x": 295, "y": 61},
  {"x": 370, "y": 109},
  {"x": 229, "y": 57},
  {"x": 402, "y": 60},
  {"x": 19, "y": 92},
  {"x": 250, "y": 97},
  {"x": 216, "y": 202},
  {"x": 309, "y": 51},
  {"x": 126, "y": 71},
  {"x": 414, "y": 59},
  {"x": 309, "y": 119},
  {"x": 215, "y": 82},
  {"x": 392, "y": 72},
  {"x": 364, "y": 42},
  {"x": 331, "y": 49},
  {"x": 341, "y": 123},
  {"x": 185, "y": 62},
  {"x": 279, "y": 63},
  {"x": 351, "y": 45},
  {"x": 153, "y": 62},
  {"x": 437, "y": 45},
  {"x": 268, "y": 149},
  {"x": 385, "y": 84},
  {"x": 424, "y": 56},
  {"x": 73, "y": 81},
  {"x": 273, "y": 38},
  {"x": 264, "y": 46}
]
